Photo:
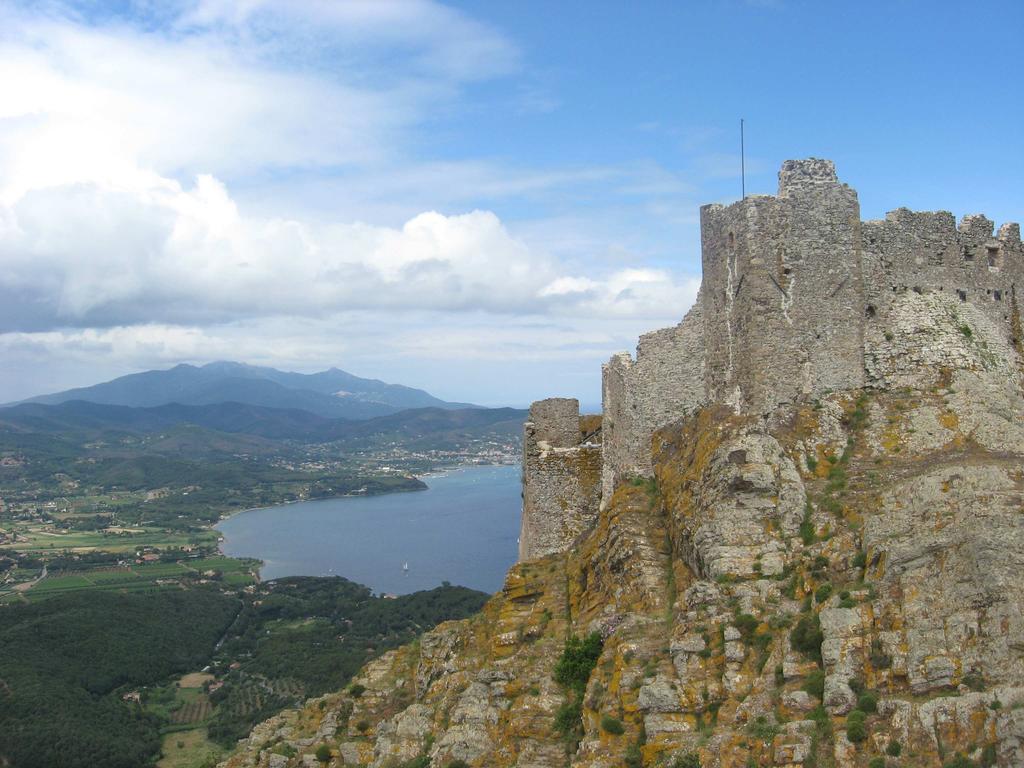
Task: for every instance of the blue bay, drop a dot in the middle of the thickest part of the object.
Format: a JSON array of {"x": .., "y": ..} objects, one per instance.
[{"x": 463, "y": 529}]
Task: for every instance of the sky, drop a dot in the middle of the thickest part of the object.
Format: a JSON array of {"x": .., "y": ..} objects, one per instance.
[{"x": 483, "y": 199}]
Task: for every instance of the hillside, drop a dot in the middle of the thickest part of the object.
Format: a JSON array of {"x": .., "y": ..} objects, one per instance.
[
  {"x": 796, "y": 539},
  {"x": 331, "y": 394},
  {"x": 87, "y": 420}
]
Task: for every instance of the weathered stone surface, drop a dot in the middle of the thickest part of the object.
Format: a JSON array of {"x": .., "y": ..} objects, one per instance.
[{"x": 887, "y": 513}]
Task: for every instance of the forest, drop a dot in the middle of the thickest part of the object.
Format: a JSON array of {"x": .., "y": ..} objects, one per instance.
[{"x": 68, "y": 660}]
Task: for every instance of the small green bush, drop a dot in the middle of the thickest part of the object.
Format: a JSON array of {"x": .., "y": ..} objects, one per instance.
[
  {"x": 855, "y": 729},
  {"x": 689, "y": 760},
  {"x": 806, "y": 636},
  {"x": 612, "y": 725},
  {"x": 879, "y": 658},
  {"x": 762, "y": 729},
  {"x": 814, "y": 684},
  {"x": 877, "y": 762},
  {"x": 567, "y": 718},
  {"x": 323, "y": 754},
  {"x": 457, "y": 764},
  {"x": 894, "y": 749},
  {"x": 746, "y": 624},
  {"x": 356, "y": 690},
  {"x": 966, "y": 330},
  {"x": 868, "y": 702},
  {"x": 988, "y": 756},
  {"x": 633, "y": 758},
  {"x": 860, "y": 559},
  {"x": 807, "y": 531},
  {"x": 823, "y": 593},
  {"x": 974, "y": 681},
  {"x": 959, "y": 762},
  {"x": 577, "y": 661},
  {"x": 363, "y": 726}
]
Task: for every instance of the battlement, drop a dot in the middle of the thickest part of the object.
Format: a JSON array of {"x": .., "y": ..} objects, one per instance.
[
  {"x": 800, "y": 173},
  {"x": 561, "y": 476},
  {"x": 795, "y": 291},
  {"x": 798, "y": 298}
]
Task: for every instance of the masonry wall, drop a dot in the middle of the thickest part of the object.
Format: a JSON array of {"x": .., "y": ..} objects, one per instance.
[
  {"x": 561, "y": 476},
  {"x": 929, "y": 255},
  {"x": 797, "y": 299},
  {"x": 783, "y": 291},
  {"x": 664, "y": 383}
]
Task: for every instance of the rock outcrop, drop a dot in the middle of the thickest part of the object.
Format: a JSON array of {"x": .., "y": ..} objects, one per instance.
[{"x": 825, "y": 578}]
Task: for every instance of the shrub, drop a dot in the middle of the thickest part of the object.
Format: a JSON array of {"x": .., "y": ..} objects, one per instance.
[
  {"x": 814, "y": 683},
  {"x": 877, "y": 762},
  {"x": 807, "y": 531},
  {"x": 746, "y": 624},
  {"x": 812, "y": 462},
  {"x": 363, "y": 726},
  {"x": 806, "y": 636},
  {"x": 966, "y": 330},
  {"x": 879, "y": 658},
  {"x": 860, "y": 559},
  {"x": 762, "y": 729},
  {"x": 958, "y": 762},
  {"x": 423, "y": 761},
  {"x": 856, "y": 685},
  {"x": 356, "y": 690},
  {"x": 894, "y": 749},
  {"x": 974, "y": 681},
  {"x": 689, "y": 760},
  {"x": 633, "y": 757},
  {"x": 612, "y": 725},
  {"x": 868, "y": 702},
  {"x": 823, "y": 593},
  {"x": 855, "y": 729},
  {"x": 323, "y": 754},
  {"x": 577, "y": 661},
  {"x": 988, "y": 756},
  {"x": 457, "y": 764},
  {"x": 567, "y": 718}
]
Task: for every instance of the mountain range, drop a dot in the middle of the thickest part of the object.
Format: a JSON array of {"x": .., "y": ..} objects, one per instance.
[
  {"x": 85, "y": 421},
  {"x": 330, "y": 394}
]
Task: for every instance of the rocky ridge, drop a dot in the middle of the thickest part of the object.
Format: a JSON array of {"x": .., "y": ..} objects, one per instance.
[{"x": 837, "y": 581}]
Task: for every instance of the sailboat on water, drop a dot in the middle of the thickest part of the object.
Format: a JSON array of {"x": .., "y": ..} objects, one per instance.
[{"x": 405, "y": 567}]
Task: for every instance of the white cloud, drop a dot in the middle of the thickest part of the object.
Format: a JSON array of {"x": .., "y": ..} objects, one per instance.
[{"x": 124, "y": 238}]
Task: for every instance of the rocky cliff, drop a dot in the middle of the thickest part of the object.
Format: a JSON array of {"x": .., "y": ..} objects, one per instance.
[{"x": 834, "y": 579}]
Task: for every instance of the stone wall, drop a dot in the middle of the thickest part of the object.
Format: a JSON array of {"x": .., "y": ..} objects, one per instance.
[
  {"x": 561, "y": 476},
  {"x": 965, "y": 269},
  {"x": 665, "y": 383},
  {"x": 783, "y": 291},
  {"x": 798, "y": 299}
]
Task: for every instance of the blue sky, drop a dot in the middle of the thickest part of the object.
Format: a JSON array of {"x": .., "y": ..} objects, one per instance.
[{"x": 484, "y": 199}]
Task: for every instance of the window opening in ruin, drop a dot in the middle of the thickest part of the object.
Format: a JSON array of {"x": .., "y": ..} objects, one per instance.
[
  {"x": 962, "y": 295},
  {"x": 968, "y": 256},
  {"x": 993, "y": 255},
  {"x": 917, "y": 289},
  {"x": 870, "y": 311},
  {"x": 997, "y": 295}
]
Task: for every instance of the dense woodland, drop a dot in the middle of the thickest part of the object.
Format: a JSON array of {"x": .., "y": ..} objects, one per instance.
[
  {"x": 67, "y": 660},
  {"x": 321, "y": 631}
]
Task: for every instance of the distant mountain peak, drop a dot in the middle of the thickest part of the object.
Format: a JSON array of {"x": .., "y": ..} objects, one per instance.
[{"x": 332, "y": 393}]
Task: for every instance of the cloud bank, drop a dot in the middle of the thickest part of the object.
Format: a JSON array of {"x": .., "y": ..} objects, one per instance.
[{"x": 123, "y": 243}]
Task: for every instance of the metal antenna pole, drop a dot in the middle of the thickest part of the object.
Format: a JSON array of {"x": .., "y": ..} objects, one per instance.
[{"x": 743, "y": 163}]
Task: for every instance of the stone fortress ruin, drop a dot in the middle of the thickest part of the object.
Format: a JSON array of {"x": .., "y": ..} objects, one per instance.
[{"x": 798, "y": 299}]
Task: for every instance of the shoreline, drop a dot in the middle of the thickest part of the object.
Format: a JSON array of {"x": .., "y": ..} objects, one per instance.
[{"x": 443, "y": 472}]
